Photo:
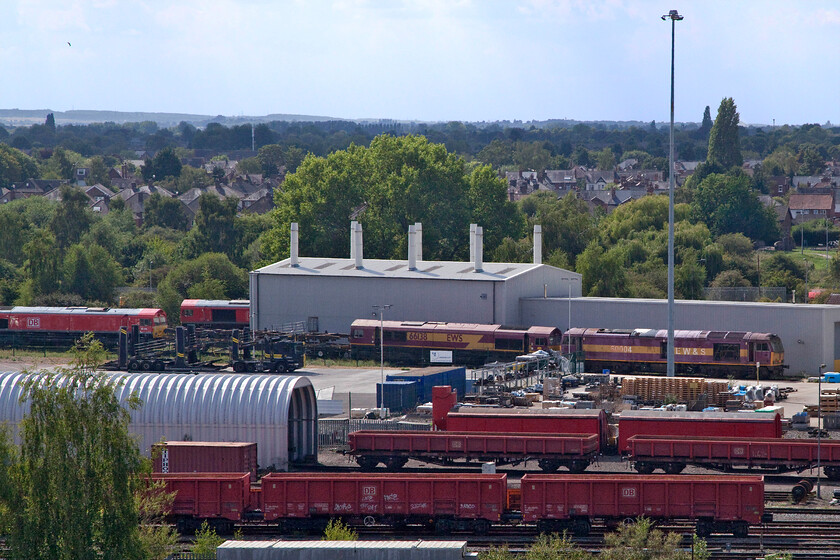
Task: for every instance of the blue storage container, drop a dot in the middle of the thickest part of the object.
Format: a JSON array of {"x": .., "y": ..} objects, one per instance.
[
  {"x": 426, "y": 378},
  {"x": 397, "y": 396}
]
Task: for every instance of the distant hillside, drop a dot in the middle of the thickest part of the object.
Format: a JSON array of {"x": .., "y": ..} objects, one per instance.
[{"x": 27, "y": 117}]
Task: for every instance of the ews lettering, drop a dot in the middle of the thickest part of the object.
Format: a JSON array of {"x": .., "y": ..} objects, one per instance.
[{"x": 454, "y": 338}]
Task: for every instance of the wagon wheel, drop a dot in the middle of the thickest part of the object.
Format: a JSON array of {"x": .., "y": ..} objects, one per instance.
[
  {"x": 740, "y": 530},
  {"x": 396, "y": 463},
  {"x": 832, "y": 473},
  {"x": 674, "y": 468},
  {"x": 549, "y": 465},
  {"x": 578, "y": 467},
  {"x": 367, "y": 463},
  {"x": 581, "y": 527},
  {"x": 444, "y": 526},
  {"x": 481, "y": 526},
  {"x": 238, "y": 367},
  {"x": 145, "y": 365},
  {"x": 369, "y": 521},
  {"x": 133, "y": 365},
  {"x": 704, "y": 528},
  {"x": 645, "y": 468}
]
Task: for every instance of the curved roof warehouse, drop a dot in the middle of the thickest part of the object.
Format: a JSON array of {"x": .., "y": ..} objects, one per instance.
[{"x": 279, "y": 413}]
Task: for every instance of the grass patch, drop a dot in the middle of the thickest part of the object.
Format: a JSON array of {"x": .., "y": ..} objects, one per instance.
[
  {"x": 330, "y": 362},
  {"x": 814, "y": 257},
  {"x": 19, "y": 354}
]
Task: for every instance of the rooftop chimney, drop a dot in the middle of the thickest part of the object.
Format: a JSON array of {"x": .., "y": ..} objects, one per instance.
[
  {"x": 293, "y": 246},
  {"x": 412, "y": 249},
  {"x": 479, "y": 249},
  {"x": 353, "y": 240},
  {"x": 359, "y": 245},
  {"x": 537, "y": 244},
  {"x": 418, "y": 240},
  {"x": 472, "y": 242}
]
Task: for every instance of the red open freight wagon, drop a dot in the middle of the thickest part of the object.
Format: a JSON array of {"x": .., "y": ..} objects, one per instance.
[
  {"x": 559, "y": 502},
  {"x": 745, "y": 425},
  {"x": 204, "y": 456},
  {"x": 221, "y": 499},
  {"x": 450, "y": 501},
  {"x": 672, "y": 454},
  {"x": 394, "y": 449}
]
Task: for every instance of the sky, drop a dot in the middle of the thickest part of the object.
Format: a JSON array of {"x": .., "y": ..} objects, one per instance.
[{"x": 429, "y": 60}]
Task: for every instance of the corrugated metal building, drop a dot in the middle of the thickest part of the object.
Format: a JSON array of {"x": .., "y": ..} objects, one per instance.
[
  {"x": 279, "y": 413},
  {"x": 329, "y": 294},
  {"x": 810, "y": 333}
]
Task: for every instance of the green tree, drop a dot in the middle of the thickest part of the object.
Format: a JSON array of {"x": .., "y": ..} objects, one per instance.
[
  {"x": 727, "y": 204},
  {"x": 336, "y": 530},
  {"x": 91, "y": 272},
  {"x": 41, "y": 265},
  {"x": 206, "y": 541},
  {"x": 99, "y": 171},
  {"x": 164, "y": 211},
  {"x": 71, "y": 491},
  {"x": 724, "y": 144},
  {"x": 388, "y": 186},
  {"x": 72, "y": 218},
  {"x": 603, "y": 273},
  {"x": 50, "y": 123},
  {"x": 177, "y": 284},
  {"x": 214, "y": 229},
  {"x": 605, "y": 159},
  {"x": 640, "y": 541},
  {"x": 164, "y": 164},
  {"x": 706, "y": 125},
  {"x": 15, "y": 166},
  {"x": 555, "y": 547}
]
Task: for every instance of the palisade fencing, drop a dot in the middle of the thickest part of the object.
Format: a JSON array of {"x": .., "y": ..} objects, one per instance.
[
  {"x": 749, "y": 293},
  {"x": 334, "y": 432}
]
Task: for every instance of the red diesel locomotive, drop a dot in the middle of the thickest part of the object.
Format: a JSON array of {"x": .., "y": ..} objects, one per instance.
[
  {"x": 469, "y": 343},
  {"x": 60, "y": 325},
  {"x": 712, "y": 353},
  {"x": 216, "y": 314}
]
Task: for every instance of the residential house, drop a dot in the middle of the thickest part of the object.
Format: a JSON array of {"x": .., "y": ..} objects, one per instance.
[
  {"x": 259, "y": 202},
  {"x": 521, "y": 183},
  {"x": 778, "y": 185},
  {"x": 560, "y": 180},
  {"x": 599, "y": 179},
  {"x": 190, "y": 198},
  {"x": 135, "y": 199},
  {"x": 611, "y": 199},
  {"x": 807, "y": 207}
]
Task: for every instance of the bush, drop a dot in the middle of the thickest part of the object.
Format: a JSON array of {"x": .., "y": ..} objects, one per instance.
[{"x": 337, "y": 531}]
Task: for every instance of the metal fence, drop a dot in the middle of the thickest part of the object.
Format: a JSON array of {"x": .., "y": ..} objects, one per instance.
[
  {"x": 750, "y": 293},
  {"x": 334, "y": 432}
]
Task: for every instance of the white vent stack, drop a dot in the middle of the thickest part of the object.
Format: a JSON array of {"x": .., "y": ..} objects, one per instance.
[
  {"x": 412, "y": 249},
  {"x": 359, "y": 245},
  {"x": 472, "y": 242},
  {"x": 353, "y": 240},
  {"x": 418, "y": 240},
  {"x": 537, "y": 244},
  {"x": 293, "y": 246},
  {"x": 479, "y": 249}
]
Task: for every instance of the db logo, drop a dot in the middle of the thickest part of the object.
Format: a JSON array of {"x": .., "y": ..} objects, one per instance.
[
  {"x": 628, "y": 492},
  {"x": 369, "y": 490},
  {"x": 33, "y": 322}
]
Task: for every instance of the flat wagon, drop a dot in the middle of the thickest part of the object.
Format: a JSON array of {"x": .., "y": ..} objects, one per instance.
[
  {"x": 394, "y": 449},
  {"x": 572, "y": 502}
]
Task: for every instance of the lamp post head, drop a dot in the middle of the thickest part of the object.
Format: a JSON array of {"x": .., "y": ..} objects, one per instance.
[{"x": 672, "y": 15}]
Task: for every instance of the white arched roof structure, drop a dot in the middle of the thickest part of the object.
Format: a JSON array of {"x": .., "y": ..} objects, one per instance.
[{"x": 279, "y": 413}]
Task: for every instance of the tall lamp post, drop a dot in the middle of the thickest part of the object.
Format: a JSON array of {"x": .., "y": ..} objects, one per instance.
[
  {"x": 674, "y": 16},
  {"x": 381, "y": 309},
  {"x": 819, "y": 427}
]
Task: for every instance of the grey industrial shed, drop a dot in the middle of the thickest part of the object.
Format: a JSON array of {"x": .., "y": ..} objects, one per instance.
[
  {"x": 279, "y": 413},
  {"x": 809, "y": 333},
  {"x": 332, "y": 293}
]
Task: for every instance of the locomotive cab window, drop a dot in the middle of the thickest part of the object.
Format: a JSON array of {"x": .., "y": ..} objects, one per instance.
[
  {"x": 188, "y": 312},
  {"x": 540, "y": 342},
  {"x": 663, "y": 350},
  {"x": 4, "y": 323},
  {"x": 358, "y": 333},
  {"x": 145, "y": 322}
]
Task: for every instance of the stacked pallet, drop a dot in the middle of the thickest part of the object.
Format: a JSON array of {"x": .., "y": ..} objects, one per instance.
[
  {"x": 830, "y": 401},
  {"x": 657, "y": 390}
]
